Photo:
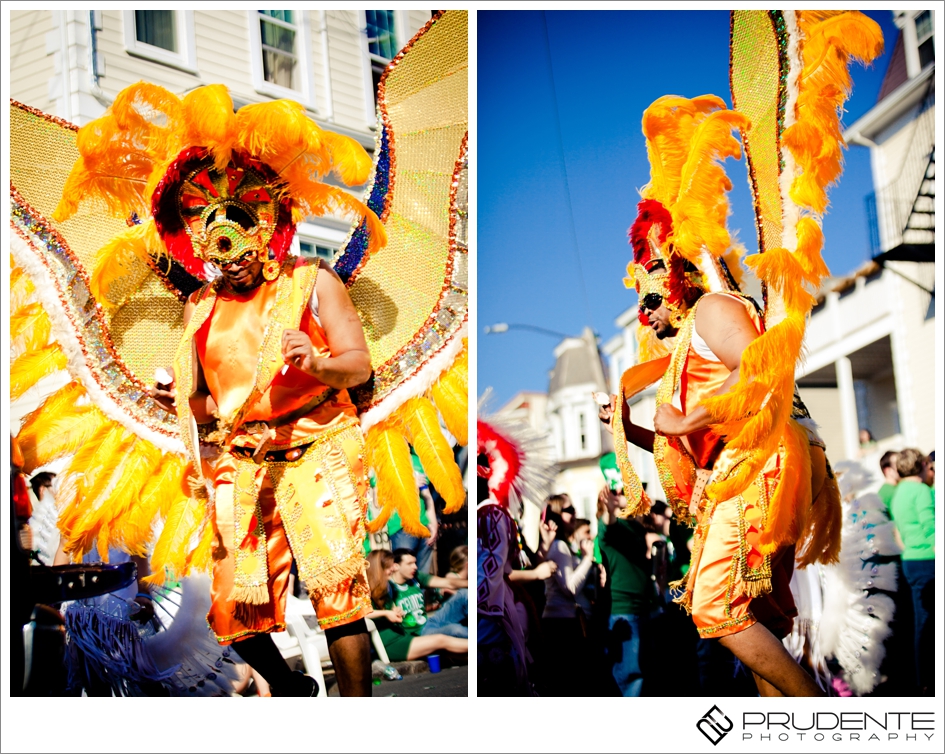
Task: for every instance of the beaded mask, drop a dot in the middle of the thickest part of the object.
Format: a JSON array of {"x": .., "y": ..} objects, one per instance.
[
  {"x": 224, "y": 214},
  {"x": 655, "y": 269}
]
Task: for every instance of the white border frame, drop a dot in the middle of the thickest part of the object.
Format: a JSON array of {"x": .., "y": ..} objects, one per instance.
[
  {"x": 305, "y": 94},
  {"x": 185, "y": 60}
]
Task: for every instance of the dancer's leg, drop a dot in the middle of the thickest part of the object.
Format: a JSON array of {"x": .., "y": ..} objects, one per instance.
[
  {"x": 260, "y": 652},
  {"x": 350, "y": 650},
  {"x": 765, "y": 656}
]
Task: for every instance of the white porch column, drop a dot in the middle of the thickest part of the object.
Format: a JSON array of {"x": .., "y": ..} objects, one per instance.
[{"x": 851, "y": 427}]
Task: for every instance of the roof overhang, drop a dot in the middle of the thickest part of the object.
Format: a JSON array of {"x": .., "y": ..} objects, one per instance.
[{"x": 887, "y": 110}]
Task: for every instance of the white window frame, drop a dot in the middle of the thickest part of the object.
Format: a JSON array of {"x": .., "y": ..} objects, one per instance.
[
  {"x": 401, "y": 25},
  {"x": 919, "y": 41},
  {"x": 185, "y": 59},
  {"x": 306, "y": 91}
]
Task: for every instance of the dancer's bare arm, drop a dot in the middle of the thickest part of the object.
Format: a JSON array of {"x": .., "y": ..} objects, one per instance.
[
  {"x": 727, "y": 329},
  {"x": 350, "y": 362}
]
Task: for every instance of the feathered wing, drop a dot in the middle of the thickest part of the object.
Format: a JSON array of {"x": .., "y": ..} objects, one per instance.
[
  {"x": 789, "y": 76},
  {"x": 106, "y": 330},
  {"x": 412, "y": 295}
]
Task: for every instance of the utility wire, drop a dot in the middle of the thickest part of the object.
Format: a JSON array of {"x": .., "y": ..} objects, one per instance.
[{"x": 564, "y": 165}]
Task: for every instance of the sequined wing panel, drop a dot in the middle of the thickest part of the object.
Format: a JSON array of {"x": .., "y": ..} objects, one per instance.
[
  {"x": 112, "y": 346},
  {"x": 412, "y": 295}
]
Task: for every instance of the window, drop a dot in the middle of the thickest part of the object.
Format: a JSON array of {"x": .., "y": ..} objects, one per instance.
[
  {"x": 310, "y": 249},
  {"x": 157, "y": 28},
  {"x": 926, "y": 42},
  {"x": 277, "y": 35},
  {"x": 582, "y": 424},
  {"x": 164, "y": 36},
  {"x": 281, "y": 62},
  {"x": 382, "y": 44}
]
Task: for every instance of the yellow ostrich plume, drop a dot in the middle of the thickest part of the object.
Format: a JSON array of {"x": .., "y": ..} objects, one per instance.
[
  {"x": 668, "y": 125},
  {"x": 419, "y": 418},
  {"x": 32, "y": 366},
  {"x": 29, "y": 327},
  {"x": 173, "y": 546},
  {"x": 701, "y": 210},
  {"x": 201, "y": 557},
  {"x": 451, "y": 396},
  {"x": 389, "y": 456},
  {"x": 155, "y": 499},
  {"x": 134, "y": 466},
  {"x": 21, "y": 289},
  {"x": 58, "y": 427},
  {"x": 280, "y": 134},
  {"x": 831, "y": 40},
  {"x": 210, "y": 122},
  {"x": 119, "y": 153},
  {"x": 114, "y": 261},
  {"x": 83, "y": 472}
]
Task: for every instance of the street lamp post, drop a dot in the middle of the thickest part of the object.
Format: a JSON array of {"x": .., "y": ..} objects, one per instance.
[{"x": 502, "y": 327}]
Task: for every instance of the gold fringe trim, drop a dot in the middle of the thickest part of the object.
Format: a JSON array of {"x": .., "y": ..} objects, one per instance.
[
  {"x": 258, "y": 594},
  {"x": 327, "y": 582}
]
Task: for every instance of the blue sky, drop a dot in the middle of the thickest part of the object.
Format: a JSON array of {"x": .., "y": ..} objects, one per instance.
[{"x": 608, "y": 67}]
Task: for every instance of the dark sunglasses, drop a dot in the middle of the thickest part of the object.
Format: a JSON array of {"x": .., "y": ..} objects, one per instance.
[
  {"x": 569, "y": 510},
  {"x": 651, "y": 301}
]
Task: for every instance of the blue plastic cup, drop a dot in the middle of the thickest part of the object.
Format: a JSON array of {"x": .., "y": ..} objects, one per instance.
[{"x": 434, "y": 662}]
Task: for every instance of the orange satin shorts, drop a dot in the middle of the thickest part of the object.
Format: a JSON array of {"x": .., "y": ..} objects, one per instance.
[
  {"x": 719, "y": 604},
  {"x": 347, "y": 602}
]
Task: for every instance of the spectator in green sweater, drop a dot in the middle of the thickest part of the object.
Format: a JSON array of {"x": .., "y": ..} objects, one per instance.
[{"x": 913, "y": 511}]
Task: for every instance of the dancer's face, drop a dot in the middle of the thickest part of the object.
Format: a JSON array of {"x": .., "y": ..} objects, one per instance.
[
  {"x": 243, "y": 274},
  {"x": 659, "y": 319}
]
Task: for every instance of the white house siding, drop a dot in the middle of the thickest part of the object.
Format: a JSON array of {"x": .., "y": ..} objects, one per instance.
[
  {"x": 916, "y": 355},
  {"x": 31, "y": 68},
  {"x": 223, "y": 55}
]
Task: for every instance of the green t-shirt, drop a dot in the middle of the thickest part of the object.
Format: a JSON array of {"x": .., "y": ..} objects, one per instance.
[
  {"x": 913, "y": 510},
  {"x": 623, "y": 553},
  {"x": 409, "y": 598},
  {"x": 886, "y": 493}
]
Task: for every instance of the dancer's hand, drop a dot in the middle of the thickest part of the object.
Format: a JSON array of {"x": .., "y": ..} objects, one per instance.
[
  {"x": 670, "y": 421},
  {"x": 606, "y": 414},
  {"x": 163, "y": 391},
  {"x": 297, "y": 350}
]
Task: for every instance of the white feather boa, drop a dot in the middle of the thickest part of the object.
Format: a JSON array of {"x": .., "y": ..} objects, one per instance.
[
  {"x": 418, "y": 384},
  {"x": 838, "y": 616}
]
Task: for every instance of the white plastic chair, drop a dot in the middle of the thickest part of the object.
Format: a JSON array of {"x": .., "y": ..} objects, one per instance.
[
  {"x": 301, "y": 639},
  {"x": 376, "y": 641}
]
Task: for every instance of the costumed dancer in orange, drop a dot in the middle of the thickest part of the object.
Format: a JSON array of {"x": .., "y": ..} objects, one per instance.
[
  {"x": 269, "y": 350},
  {"x": 735, "y": 448},
  {"x": 751, "y": 504},
  {"x": 270, "y": 346}
]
